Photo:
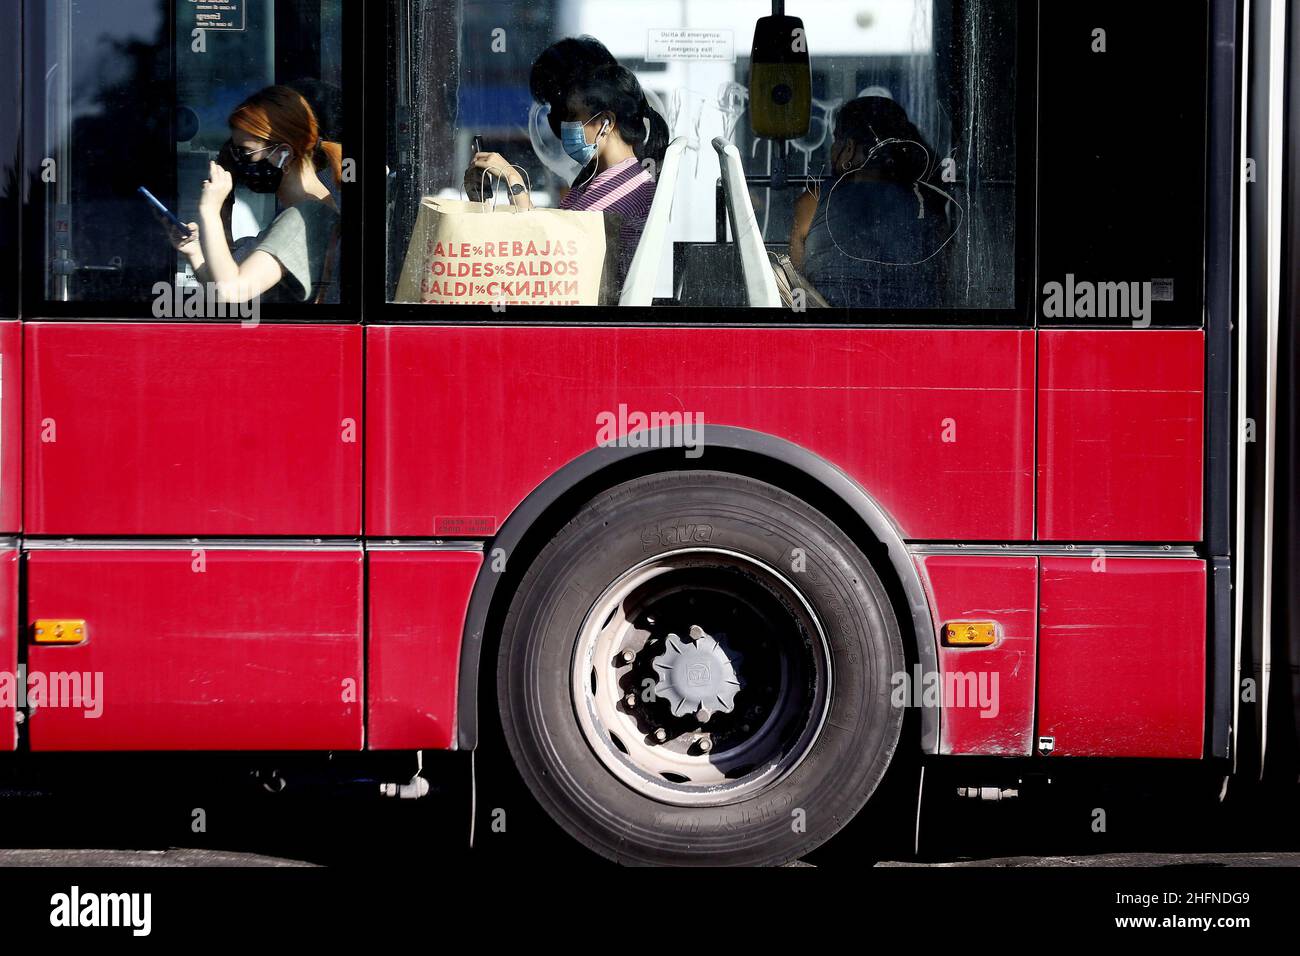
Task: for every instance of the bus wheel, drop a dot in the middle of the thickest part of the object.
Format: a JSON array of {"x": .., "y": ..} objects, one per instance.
[{"x": 697, "y": 669}]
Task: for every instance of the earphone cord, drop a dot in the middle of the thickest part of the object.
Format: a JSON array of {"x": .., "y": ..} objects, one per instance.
[
  {"x": 595, "y": 161},
  {"x": 916, "y": 188}
]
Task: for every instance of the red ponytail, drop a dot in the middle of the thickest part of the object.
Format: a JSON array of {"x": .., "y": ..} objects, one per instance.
[{"x": 279, "y": 114}]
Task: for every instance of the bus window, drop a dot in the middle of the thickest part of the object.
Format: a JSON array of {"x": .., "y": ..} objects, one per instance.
[
  {"x": 141, "y": 98},
  {"x": 885, "y": 171},
  {"x": 10, "y": 177},
  {"x": 1119, "y": 250}
]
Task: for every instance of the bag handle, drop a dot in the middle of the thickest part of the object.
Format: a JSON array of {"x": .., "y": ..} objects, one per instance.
[
  {"x": 788, "y": 279},
  {"x": 496, "y": 179},
  {"x": 482, "y": 186},
  {"x": 528, "y": 182}
]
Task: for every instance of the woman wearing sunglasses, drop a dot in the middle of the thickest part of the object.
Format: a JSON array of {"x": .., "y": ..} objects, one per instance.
[{"x": 274, "y": 147}]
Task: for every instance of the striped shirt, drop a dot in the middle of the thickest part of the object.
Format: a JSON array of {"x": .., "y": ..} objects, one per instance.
[{"x": 625, "y": 190}]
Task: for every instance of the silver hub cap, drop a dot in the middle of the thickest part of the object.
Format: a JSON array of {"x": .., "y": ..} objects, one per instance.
[
  {"x": 697, "y": 677},
  {"x": 700, "y": 677}
]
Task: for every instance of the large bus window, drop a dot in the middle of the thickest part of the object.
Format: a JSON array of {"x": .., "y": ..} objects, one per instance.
[
  {"x": 1118, "y": 249},
  {"x": 878, "y": 143},
  {"x": 145, "y": 93},
  {"x": 10, "y": 161}
]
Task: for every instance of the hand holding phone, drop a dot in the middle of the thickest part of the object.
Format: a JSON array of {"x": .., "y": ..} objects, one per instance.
[
  {"x": 169, "y": 219},
  {"x": 184, "y": 236},
  {"x": 483, "y": 189}
]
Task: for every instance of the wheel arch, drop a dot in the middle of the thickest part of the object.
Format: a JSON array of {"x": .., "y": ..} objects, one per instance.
[{"x": 727, "y": 448}]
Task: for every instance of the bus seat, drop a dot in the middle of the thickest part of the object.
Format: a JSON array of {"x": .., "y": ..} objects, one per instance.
[
  {"x": 760, "y": 284},
  {"x": 639, "y": 286}
]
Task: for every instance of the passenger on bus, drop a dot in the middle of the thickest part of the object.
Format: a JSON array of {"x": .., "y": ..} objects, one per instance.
[
  {"x": 601, "y": 115},
  {"x": 275, "y": 147},
  {"x": 872, "y": 234}
]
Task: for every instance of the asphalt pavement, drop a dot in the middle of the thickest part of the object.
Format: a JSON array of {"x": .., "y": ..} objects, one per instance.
[{"x": 109, "y": 819}]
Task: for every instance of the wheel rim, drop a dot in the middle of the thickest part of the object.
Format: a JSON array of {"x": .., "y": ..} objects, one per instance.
[{"x": 701, "y": 676}]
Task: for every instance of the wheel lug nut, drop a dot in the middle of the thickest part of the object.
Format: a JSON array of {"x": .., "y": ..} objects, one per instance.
[
  {"x": 627, "y": 657},
  {"x": 705, "y": 745},
  {"x": 630, "y": 700},
  {"x": 660, "y": 734}
]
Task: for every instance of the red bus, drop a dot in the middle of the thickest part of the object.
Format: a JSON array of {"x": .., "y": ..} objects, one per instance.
[{"x": 706, "y": 562}]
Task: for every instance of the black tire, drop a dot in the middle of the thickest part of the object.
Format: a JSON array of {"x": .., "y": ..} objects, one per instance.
[{"x": 840, "y": 767}]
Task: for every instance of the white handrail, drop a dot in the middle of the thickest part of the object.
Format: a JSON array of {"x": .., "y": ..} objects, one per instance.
[
  {"x": 1277, "y": 46},
  {"x": 1242, "y": 321},
  {"x": 760, "y": 284},
  {"x": 639, "y": 285}
]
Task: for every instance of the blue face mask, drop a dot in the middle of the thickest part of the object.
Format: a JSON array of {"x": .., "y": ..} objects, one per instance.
[{"x": 574, "y": 140}]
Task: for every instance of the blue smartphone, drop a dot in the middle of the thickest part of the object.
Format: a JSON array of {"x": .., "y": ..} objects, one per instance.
[{"x": 166, "y": 213}]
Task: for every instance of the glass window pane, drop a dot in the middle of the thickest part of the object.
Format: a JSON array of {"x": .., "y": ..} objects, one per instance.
[
  {"x": 1141, "y": 264},
  {"x": 139, "y": 93},
  {"x": 10, "y": 162},
  {"x": 877, "y": 141}
]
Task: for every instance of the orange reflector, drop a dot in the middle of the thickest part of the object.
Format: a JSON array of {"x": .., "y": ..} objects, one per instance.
[
  {"x": 970, "y": 633},
  {"x": 59, "y": 632}
]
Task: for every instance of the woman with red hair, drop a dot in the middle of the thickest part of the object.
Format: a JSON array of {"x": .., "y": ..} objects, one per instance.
[{"x": 275, "y": 147}]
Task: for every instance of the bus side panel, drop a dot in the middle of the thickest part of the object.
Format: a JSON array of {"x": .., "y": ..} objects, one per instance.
[
  {"x": 988, "y": 702},
  {"x": 937, "y": 424},
  {"x": 11, "y": 426},
  {"x": 194, "y": 430},
  {"x": 201, "y": 649},
  {"x": 9, "y": 677},
  {"x": 1121, "y": 656},
  {"x": 1120, "y": 435},
  {"x": 417, "y": 604}
]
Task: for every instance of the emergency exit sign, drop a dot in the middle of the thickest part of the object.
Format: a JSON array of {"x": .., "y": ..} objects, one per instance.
[
  {"x": 668, "y": 46},
  {"x": 213, "y": 15}
]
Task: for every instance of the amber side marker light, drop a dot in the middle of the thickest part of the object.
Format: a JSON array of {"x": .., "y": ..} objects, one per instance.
[
  {"x": 59, "y": 632},
  {"x": 970, "y": 633}
]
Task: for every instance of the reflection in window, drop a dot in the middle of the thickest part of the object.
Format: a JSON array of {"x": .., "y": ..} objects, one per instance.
[
  {"x": 894, "y": 189},
  {"x": 133, "y": 98},
  {"x": 10, "y": 162}
]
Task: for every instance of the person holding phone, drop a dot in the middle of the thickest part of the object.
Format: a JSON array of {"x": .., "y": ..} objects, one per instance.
[
  {"x": 274, "y": 147},
  {"x": 606, "y": 125}
]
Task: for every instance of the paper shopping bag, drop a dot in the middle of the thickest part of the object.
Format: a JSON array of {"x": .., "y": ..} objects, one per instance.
[{"x": 467, "y": 253}]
